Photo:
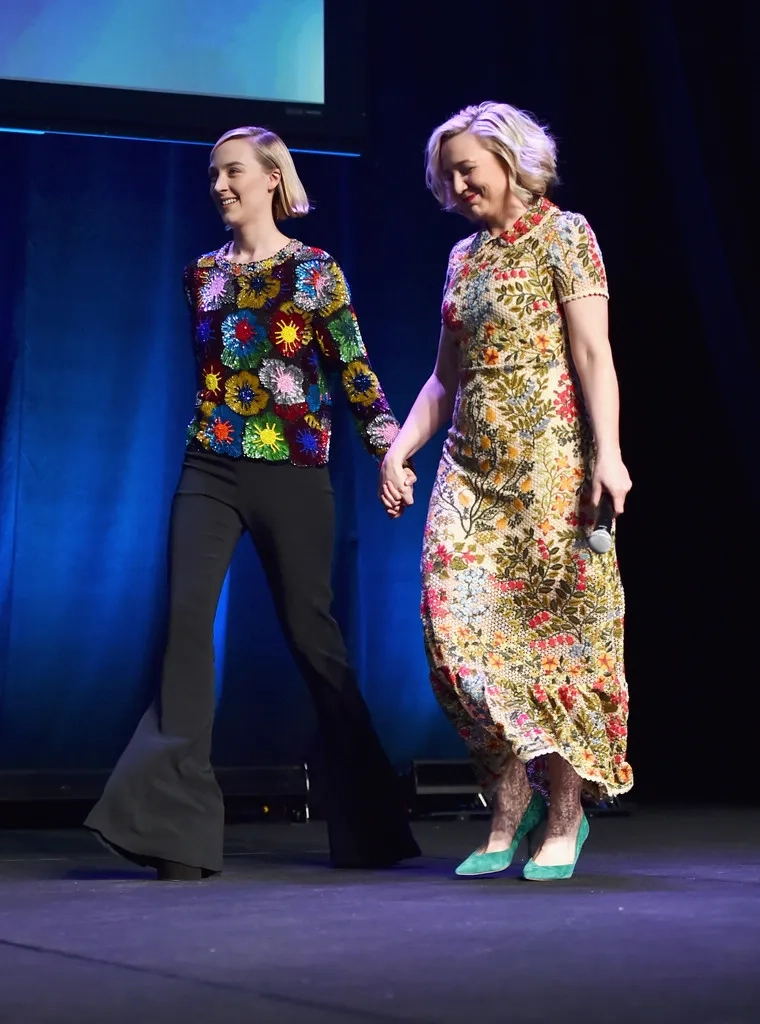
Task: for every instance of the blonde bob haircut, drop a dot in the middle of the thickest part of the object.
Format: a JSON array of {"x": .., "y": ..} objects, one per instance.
[
  {"x": 527, "y": 150},
  {"x": 290, "y": 199}
]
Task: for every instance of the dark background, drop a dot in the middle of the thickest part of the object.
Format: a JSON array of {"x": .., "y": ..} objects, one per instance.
[{"x": 655, "y": 112}]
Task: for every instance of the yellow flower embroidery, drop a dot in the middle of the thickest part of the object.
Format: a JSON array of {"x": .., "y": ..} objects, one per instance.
[
  {"x": 257, "y": 290},
  {"x": 244, "y": 394},
  {"x": 360, "y": 383}
]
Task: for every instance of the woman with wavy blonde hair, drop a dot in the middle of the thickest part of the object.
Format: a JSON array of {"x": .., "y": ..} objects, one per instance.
[
  {"x": 272, "y": 324},
  {"x": 523, "y": 621}
]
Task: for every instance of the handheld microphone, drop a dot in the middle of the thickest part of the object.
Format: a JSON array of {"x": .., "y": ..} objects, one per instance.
[{"x": 600, "y": 539}]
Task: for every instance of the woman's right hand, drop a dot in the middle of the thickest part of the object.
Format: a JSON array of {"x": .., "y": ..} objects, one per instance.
[{"x": 396, "y": 486}]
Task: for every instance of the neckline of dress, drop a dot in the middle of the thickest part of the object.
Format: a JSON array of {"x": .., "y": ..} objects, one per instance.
[
  {"x": 527, "y": 222},
  {"x": 282, "y": 254}
]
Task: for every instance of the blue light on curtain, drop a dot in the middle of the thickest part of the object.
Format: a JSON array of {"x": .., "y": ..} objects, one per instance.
[{"x": 97, "y": 386}]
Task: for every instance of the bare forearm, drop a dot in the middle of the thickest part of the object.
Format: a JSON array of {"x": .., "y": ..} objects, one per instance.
[
  {"x": 598, "y": 379},
  {"x": 431, "y": 411}
]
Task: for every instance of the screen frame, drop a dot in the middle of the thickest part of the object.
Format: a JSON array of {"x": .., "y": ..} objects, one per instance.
[{"x": 338, "y": 125}]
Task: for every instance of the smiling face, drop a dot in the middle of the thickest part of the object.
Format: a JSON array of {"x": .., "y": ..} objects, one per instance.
[
  {"x": 477, "y": 179},
  {"x": 241, "y": 187}
]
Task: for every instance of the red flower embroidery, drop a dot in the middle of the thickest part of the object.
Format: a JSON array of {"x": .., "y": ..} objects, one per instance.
[
  {"x": 451, "y": 317},
  {"x": 615, "y": 728},
  {"x": 538, "y": 619},
  {"x": 568, "y": 695},
  {"x": 435, "y": 602},
  {"x": 566, "y": 402}
]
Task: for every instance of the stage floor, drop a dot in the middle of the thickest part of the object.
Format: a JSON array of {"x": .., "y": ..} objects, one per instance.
[{"x": 660, "y": 924}]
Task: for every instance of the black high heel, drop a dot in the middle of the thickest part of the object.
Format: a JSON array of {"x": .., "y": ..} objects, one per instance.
[{"x": 174, "y": 871}]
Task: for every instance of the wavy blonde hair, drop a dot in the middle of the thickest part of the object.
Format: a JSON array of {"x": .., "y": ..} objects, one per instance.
[
  {"x": 527, "y": 150},
  {"x": 290, "y": 198}
]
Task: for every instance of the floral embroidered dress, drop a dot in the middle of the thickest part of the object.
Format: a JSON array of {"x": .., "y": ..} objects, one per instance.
[
  {"x": 268, "y": 338},
  {"x": 523, "y": 622}
]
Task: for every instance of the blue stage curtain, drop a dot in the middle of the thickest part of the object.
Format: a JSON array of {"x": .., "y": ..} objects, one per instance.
[{"x": 97, "y": 389}]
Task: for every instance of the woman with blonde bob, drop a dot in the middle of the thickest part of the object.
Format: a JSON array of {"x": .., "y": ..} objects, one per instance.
[
  {"x": 523, "y": 621},
  {"x": 272, "y": 324}
]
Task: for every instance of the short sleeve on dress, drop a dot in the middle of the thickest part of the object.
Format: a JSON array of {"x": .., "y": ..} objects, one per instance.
[{"x": 576, "y": 259}]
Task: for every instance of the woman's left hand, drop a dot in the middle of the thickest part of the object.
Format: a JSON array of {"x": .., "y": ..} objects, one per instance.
[{"x": 610, "y": 475}]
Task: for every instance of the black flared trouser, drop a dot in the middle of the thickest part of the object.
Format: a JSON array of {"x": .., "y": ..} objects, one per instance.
[{"x": 162, "y": 800}]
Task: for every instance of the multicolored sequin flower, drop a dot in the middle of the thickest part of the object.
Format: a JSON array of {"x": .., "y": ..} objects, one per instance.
[
  {"x": 308, "y": 445},
  {"x": 313, "y": 365},
  {"x": 288, "y": 329},
  {"x": 215, "y": 291},
  {"x": 319, "y": 286},
  {"x": 265, "y": 439},
  {"x": 225, "y": 432},
  {"x": 244, "y": 394},
  {"x": 360, "y": 383},
  {"x": 307, "y": 441},
  {"x": 257, "y": 291},
  {"x": 204, "y": 332},
  {"x": 344, "y": 330},
  {"x": 382, "y": 431},
  {"x": 245, "y": 340},
  {"x": 285, "y": 382}
]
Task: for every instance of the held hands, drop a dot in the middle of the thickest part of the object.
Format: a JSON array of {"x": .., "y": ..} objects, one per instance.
[
  {"x": 610, "y": 475},
  {"x": 395, "y": 488}
]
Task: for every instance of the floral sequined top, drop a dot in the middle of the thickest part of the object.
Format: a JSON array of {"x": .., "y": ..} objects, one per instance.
[{"x": 268, "y": 338}]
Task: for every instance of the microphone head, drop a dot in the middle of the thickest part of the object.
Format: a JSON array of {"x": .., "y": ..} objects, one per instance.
[{"x": 600, "y": 541}]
